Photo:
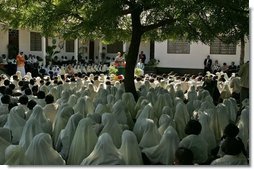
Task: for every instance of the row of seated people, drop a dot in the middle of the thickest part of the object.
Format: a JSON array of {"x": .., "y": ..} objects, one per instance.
[{"x": 83, "y": 120}]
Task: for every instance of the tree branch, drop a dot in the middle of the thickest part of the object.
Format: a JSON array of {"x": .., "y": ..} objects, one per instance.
[{"x": 157, "y": 25}]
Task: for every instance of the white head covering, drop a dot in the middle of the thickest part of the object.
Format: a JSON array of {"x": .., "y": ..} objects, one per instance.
[
  {"x": 104, "y": 153},
  {"x": 232, "y": 108},
  {"x": 65, "y": 138},
  {"x": 72, "y": 100},
  {"x": 3, "y": 145},
  {"x": 118, "y": 110},
  {"x": 40, "y": 151},
  {"x": 181, "y": 119},
  {"x": 15, "y": 122},
  {"x": 41, "y": 119},
  {"x": 112, "y": 127},
  {"x": 130, "y": 149},
  {"x": 62, "y": 118},
  {"x": 222, "y": 119},
  {"x": 164, "y": 152},
  {"x": 146, "y": 113},
  {"x": 151, "y": 135},
  {"x": 243, "y": 126},
  {"x": 80, "y": 106},
  {"x": 15, "y": 155},
  {"x": 83, "y": 142},
  {"x": 207, "y": 133},
  {"x": 129, "y": 101},
  {"x": 5, "y": 133},
  {"x": 164, "y": 122}
]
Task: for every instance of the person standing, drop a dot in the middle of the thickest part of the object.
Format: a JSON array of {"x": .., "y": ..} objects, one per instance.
[
  {"x": 207, "y": 64},
  {"x": 20, "y": 60},
  {"x": 142, "y": 57}
]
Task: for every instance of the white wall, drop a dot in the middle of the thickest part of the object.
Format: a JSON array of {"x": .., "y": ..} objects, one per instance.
[
  {"x": 198, "y": 52},
  {"x": 3, "y": 41}
]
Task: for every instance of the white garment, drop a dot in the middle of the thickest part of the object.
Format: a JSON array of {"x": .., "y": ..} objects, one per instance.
[
  {"x": 231, "y": 160},
  {"x": 151, "y": 135},
  {"x": 15, "y": 122},
  {"x": 181, "y": 119},
  {"x": 3, "y": 145},
  {"x": 130, "y": 150},
  {"x": 164, "y": 122},
  {"x": 197, "y": 145},
  {"x": 83, "y": 142},
  {"x": 118, "y": 110},
  {"x": 66, "y": 135},
  {"x": 50, "y": 111},
  {"x": 112, "y": 127},
  {"x": 164, "y": 152},
  {"x": 243, "y": 126},
  {"x": 15, "y": 155},
  {"x": 41, "y": 119},
  {"x": 104, "y": 153},
  {"x": 129, "y": 103},
  {"x": 41, "y": 152}
]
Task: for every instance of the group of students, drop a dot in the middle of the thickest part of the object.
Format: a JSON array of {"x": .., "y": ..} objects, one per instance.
[{"x": 91, "y": 120}]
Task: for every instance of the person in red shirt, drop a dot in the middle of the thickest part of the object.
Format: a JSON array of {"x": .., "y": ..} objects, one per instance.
[{"x": 20, "y": 60}]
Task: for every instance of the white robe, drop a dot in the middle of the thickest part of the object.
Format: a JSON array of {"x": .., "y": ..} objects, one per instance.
[
  {"x": 164, "y": 152},
  {"x": 112, "y": 127},
  {"x": 244, "y": 127},
  {"x": 130, "y": 150},
  {"x": 231, "y": 160},
  {"x": 104, "y": 153},
  {"x": 41, "y": 152},
  {"x": 15, "y": 155}
]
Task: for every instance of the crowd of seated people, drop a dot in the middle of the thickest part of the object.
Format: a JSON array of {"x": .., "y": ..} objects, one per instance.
[{"x": 87, "y": 118}]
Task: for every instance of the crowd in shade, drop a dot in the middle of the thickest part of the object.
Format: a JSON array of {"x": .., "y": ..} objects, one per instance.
[{"x": 89, "y": 119}]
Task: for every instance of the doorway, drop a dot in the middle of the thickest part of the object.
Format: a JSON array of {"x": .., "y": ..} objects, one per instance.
[{"x": 13, "y": 46}]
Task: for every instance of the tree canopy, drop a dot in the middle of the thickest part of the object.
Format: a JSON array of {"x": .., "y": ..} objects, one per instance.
[{"x": 131, "y": 20}]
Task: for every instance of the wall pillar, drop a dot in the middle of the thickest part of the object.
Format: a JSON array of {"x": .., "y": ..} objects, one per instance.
[
  {"x": 43, "y": 48},
  {"x": 76, "y": 49}
]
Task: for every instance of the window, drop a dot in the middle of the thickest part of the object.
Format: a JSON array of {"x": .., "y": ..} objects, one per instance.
[
  {"x": 218, "y": 47},
  {"x": 178, "y": 47},
  {"x": 35, "y": 41},
  {"x": 114, "y": 48},
  {"x": 69, "y": 46}
]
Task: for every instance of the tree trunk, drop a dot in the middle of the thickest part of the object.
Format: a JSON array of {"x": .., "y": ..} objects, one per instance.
[
  {"x": 132, "y": 55},
  {"x": 242, "y": 50}
]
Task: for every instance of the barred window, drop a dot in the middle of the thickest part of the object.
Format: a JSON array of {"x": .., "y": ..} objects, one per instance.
[
  {"x": 69, "y": 46},
  {"x": 178, "y": 47},
  {"x": 115, "y": 47},
  {"x": 218, "y": 47},
  {"x": 35, "y": 41}
]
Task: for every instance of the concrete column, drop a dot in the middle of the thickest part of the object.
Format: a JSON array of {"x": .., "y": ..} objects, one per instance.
[
  {"x": 43, "y": 48},
  {"x": 76, "y": 49}
]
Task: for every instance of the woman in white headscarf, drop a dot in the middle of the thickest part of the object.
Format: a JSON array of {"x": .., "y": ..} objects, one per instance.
[
  {"x": 129, "y": 101},
  {"x": 151, "y": 135},
  {"x": 219, "y": 120},
  {"x": 232, "y": 108},
  {"x": 72, "y": 100},
  {"x": 15, "y": 155},
  {"x": 181, "y": 118},
  {"x": 16, "y": 122},
  {"x": 164, "y": 122},
  {"x": 243, "y": 126},
  {"x": 130, "y": 150},
  {"x": 83, "y": 142},
  {"x": 41, "y": 119},
  {"x": 79, "y": 107},
  {"x": 121, "y": 113},
  {"x": 164, "y": 152},
  {"x": 41, "y": 152},
  {"x": 62, "y": 118},
  {"x": 64, "y": 98},
  {"x": 139, "y": 126},
  {"x": 104, "y": 153},
  {"x": 112, "y": 127},
  {"x": 66, "y": 135},
  {"x": 4, "y": 143},
  {"x": 192, "y": 94}
]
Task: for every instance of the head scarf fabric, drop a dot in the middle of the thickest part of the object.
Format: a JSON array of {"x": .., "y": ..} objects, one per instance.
[
  {"x": 104, "y": 153},
  {"x": 112, "y": 127},
  {"x": 130, "y": 150},
  {"x": 15, "y": 155},
  {"x": 243, "y": 126},
  {"x": 83, "y": 142},
  {"x": 66, "y": 136},
  {"x": 16, "y": 122},
  {"x": 164, "y": 152},
  {"x": 41, "y": 152}
]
